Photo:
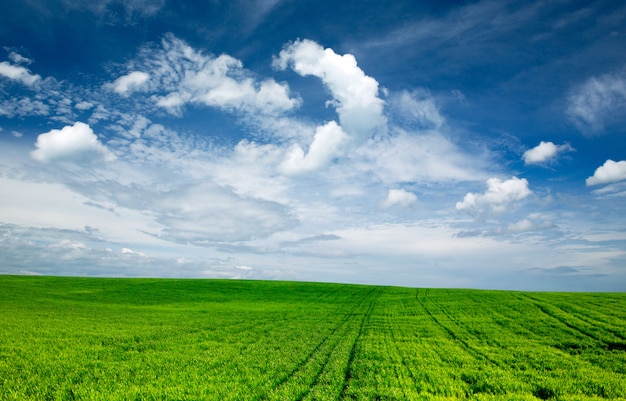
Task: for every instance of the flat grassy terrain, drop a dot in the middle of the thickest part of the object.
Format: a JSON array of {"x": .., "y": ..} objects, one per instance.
[{"x": 159, "y": 339}]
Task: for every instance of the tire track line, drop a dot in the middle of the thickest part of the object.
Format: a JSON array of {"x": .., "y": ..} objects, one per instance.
[
  {"x": 542, "y": 307},
  {"x": 320, "y": 354},
  {"x": 347, "y": 370},
  {"x": 405, "y": 365},
  {"x": 352, "y": 315},
  {"x": 607, "y": 326},
  {"x": 469, "y": 348},
  {"x": 321, "y": 347}
]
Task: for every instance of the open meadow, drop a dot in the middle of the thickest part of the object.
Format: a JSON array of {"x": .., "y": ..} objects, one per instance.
[{"x": 67, "y": 338}]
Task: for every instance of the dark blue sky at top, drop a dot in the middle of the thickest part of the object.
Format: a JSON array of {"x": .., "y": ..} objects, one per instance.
[
  {"x": 502, "y": 73},
  {"x": 514, "y": 68}
]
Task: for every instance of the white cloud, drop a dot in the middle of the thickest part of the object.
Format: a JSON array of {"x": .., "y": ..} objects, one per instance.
[
  {"x": 417, "y": 108},
  {"x": 77, "y": 142},
  {"x": 544, "y": 152},
  {"x": 521, "y": 226},
  {"x": 100, "y": 113},
  {"x": 399, "y": 197},
  {"x": 534, "y": 222},
  {"x": 598, "y": 101},
  {"x": 228, "y": 93},
  {"x": 410, "y": 239},
  {"x": 205, "y": 214},
  {"x": 68, "y": 244},
  {"x": 497, "y": 197},
  {"x": 180, "y": 75},
  {"x": 326, "y": 144},
  {"x": 19, "y": 59},
  {"x": 24, "y": 107},
  {"x": 609, "y": 172},
  {"x": 273, "y": 96},
  {"x": 128, "y": 83},
  {"x": 250, "y": 170},
  {"x": 419, "y": 157},
  {"x": 67, "y": 249},
  {"x": 38, "y": 204},
  {"x": 355, "y": 95},
  {"x": 18, "y": 73},
  {"x": 84, "y": 105},
  {"x": 128, "y": 251},
  {"x": 173, "y": 102}
]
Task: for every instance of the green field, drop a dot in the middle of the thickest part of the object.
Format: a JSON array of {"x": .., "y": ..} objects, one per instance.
[{"x": 161, "y": 339}]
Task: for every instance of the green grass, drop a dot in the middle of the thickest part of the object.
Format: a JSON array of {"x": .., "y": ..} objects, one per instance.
[{"x": 159, "y": 339}]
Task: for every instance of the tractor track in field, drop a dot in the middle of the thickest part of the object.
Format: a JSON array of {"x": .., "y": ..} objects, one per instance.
[
  {"x": 347, "y": 374},
  {"x": 608, "y": 311},
  {"x": 541, "y": 305},
  {"x": 323, "y": 366},
  {"x": 327, "y": 346},
  {"x": 593, "y": 321},
  {"x": 469, "y": 348},
  {"x": 337, "y": 344},
  {"x": 573, "y": 348},
  {"x": 405, "y": 365},
  {"x": 605, "y": 342},
  {"x": 394, "y": 353},
  {"x": 320, "y": 347}
]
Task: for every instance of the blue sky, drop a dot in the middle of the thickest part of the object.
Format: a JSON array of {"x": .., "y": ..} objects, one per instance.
[{"x": 450, "y": 144}]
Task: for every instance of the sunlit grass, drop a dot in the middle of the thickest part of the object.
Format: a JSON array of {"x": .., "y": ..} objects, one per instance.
[{"x": 161, "y": 339}]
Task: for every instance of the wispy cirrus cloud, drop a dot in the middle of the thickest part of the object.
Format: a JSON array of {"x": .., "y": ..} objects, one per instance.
[
  {"x": 109, "y": 10},
  {"x": 175, "y": 75},
  {"x": 19, "y": 59},
  {"x": 469, "y": 32},
  {"x": 598, "y": 101},
  {"x": 420, "y": 156},
  {"x": 416, "y": 108},
  {"x": 253, "y": 14}
]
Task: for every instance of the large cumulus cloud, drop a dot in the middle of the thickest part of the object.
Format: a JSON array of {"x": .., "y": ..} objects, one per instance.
[
  {"x": 75, "y": 142},
  {"x": 355, "y": 95}
]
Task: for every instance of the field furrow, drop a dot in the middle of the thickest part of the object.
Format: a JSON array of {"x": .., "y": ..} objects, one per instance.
[
  {"x": 593, "y": 319},
  {"x": 324, "y": 368},
  {"x": 406, "y": 378},
  {"x": 347, "y": 369},
  {"x": 457, "y": 332},
  {"x": 564, "y": 319}
]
